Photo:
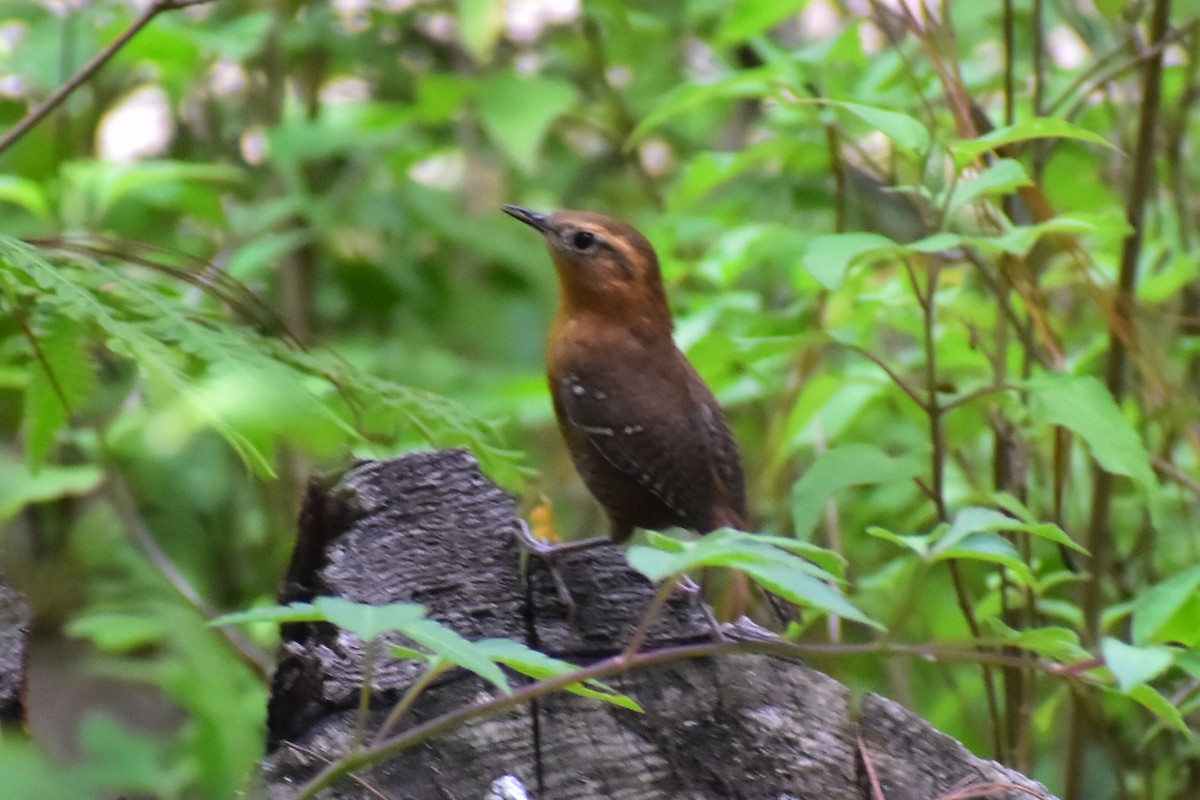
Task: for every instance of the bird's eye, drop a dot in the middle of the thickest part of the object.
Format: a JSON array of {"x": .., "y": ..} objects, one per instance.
[{"x": 583, "y": 240}]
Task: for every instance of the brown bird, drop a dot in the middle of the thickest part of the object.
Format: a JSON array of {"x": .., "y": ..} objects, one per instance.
[{"x": 644, "y": 431}]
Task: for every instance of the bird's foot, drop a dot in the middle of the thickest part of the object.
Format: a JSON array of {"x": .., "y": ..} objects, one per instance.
[
  {"x": 692, "y": 591},
  {"x": 550, "y": 555}
]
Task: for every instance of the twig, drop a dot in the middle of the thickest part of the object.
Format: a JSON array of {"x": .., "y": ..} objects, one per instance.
[
  {"x": 126, "y": 508},
  {"x": 52, "y": 102}
]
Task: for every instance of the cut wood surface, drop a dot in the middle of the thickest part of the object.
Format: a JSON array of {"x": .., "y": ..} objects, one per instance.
[{"x": 431, "y": 528}]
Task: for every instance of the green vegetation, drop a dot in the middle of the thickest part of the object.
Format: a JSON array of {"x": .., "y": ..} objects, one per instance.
[{"x": 941, "y": 271}]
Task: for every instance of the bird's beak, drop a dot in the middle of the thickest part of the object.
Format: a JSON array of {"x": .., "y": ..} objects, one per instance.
[{"x": 539, "y": 222}]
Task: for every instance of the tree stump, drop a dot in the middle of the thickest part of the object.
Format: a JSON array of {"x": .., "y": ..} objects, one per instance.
[
  {"x": 430, "y": 528},
  {"x": 15, "y": 620}
]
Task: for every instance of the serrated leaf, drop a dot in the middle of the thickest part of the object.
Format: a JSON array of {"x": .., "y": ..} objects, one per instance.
[
  {"x": 367, "y": 621},
  {"x": 449, "y": 645},
  {"x": 840, "y": 468},
  {"x": 1082, "y": 405},
  {"x": 517, "y": 112},
  {"x": 1169, "y": 611},
  {"x": 539, "y": 666},
  {"x": 967, "y": 150},
  {"x": 1132, "y": 665},
  {"x": 828, "y": 257},
  {"x": 60, "y": 378}
]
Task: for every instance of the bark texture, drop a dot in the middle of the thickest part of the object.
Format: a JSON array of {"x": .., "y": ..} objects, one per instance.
[
  {"x": 15, "y": 618},
  {"x": 431, "y": 528}
]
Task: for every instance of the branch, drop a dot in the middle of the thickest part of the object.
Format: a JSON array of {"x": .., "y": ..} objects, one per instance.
[{"x": 79, "y": 78}]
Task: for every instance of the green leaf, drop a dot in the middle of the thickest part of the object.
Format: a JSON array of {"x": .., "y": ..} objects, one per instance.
[
  {"x": 749, "y": 18},
  {"x": 540, "y": 667},
  {"x": 294, "y": 612},
  {"x": 116, "y": 632},
  {"x": 367, "y": 621},
  {"x": 967, "y": 150},
  {"x": 828, "y": 257},
  {"x": 20, "y": 486},
  {"x": 921, "y": 544},
  {"x": 1000, "y": 177},
  {"x": 940, "y": 242},
  {"x": 975, "y": 519},
  {"x": 1051, "y": 641},
  {"x": 115, "y": 756},
  {"x": 517, "y": 112},
  {"x": 757, "y": 82},
  {"x": 448, "y": 644},
  {"x": 804, "y": 590},
  {"x": 779, "y": 571},
  {"x": 412, "y": 654},
  {"x": 1151, "y": 699},
  {"x": 480, "y": 23},
  {"x": 1082, "y": 405},
  {"x": 1019, "y": 239},
  {"x": 25, "y": 193},
  {"x": 1132, "y": 665},
  {"x": 1169, "y": 611},
  {"x": 988, "y": 547},
  {"x": 840, "y": 468},
  {"x": 906, "y": 132},
  {"x": 62, "y": 373}
]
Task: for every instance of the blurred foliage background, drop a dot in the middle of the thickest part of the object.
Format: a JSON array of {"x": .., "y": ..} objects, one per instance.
[{"x": 266, "y": 237}]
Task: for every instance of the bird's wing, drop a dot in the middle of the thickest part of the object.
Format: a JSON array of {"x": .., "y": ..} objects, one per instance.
[{"x": 645, "y": 423}]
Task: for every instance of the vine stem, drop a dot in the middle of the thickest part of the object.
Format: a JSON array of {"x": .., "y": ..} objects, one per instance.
[
  {"x": 1099, "y": 529},
  {"x": 41, "y": 111},
  {"x": 937, "y": 433},
  {"x": 620, "y": 663}
]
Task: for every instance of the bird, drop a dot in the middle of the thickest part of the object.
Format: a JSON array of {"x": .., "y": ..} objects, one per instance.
[{"x": 643, "y": 429}]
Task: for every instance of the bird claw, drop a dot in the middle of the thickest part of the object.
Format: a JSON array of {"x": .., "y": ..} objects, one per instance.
[
  {"x": 689, "y": 587},
  {"x": 550, "y": 555}
]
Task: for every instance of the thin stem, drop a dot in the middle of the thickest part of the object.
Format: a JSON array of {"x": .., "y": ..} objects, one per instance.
[
  {"x": 123, "y": 502},
  {"x": 652, "y": 611},
  {"x": 891, "y": 373},
  {"x": 364, "y": 694},
  {"x": 406, "y": 702},
  {"x": 1121, "y": 326},
  {"x": 937, "y": 434},
  {"x": 52, "y": 102}
]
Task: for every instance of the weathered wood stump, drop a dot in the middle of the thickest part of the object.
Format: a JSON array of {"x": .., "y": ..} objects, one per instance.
[
  {"x": 431, "y": 528},
  {"x": 15, "y": 620}
]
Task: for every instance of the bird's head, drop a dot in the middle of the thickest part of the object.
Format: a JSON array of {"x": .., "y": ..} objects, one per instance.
[{"x": 604, "y": 265}]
